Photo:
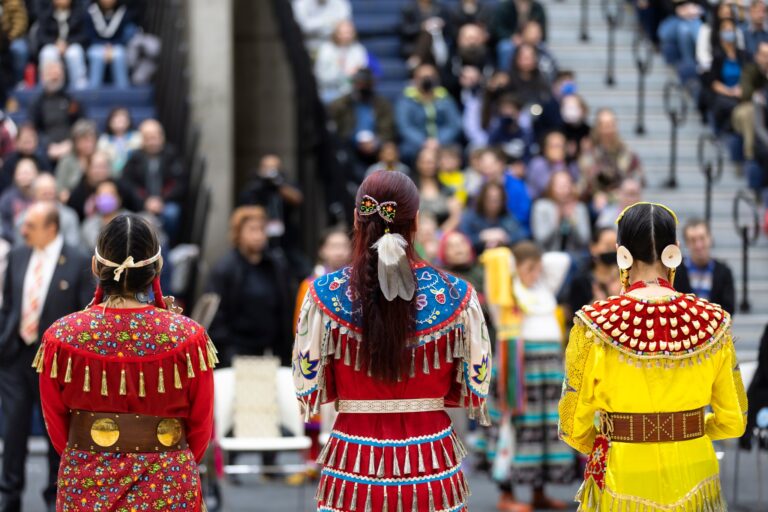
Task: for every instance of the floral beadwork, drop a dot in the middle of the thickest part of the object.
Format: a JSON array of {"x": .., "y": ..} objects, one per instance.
[
  {"x": 141, "y": 332},
  {"x": 127, "y": 482}
]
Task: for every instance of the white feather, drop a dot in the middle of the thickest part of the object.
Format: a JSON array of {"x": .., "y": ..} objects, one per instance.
[{"x": 395, "y": 274}]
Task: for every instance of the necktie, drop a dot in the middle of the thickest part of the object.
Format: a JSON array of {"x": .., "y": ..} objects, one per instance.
[{"x": 30, "y": 317}]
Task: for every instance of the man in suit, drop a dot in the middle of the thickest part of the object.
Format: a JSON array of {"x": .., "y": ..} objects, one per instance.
[
  {"x": 46, "y": 280},
  {"x": 702, "y": 274}
]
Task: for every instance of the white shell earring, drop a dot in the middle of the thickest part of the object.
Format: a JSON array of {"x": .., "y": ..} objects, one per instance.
[
  {"x": 671, "y": 256},
  {"x": 624, "y": 258}
]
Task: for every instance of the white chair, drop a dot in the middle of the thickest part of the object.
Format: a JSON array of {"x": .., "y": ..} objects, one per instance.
[{"x": 290, "y": 419}]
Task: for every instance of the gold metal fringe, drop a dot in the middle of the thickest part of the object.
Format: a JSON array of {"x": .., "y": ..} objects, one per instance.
[
  {"x": 55, "y": 365},
  {"x": 176, "y": 376},
  {"x": 38, "y": 357},
  {"x": 160, "y": 381},
  {"x": 201, "y": 359},
  {"x": 87, "y": 379},
  {"x": 142, "y": 390},
  {"x": 123, "y": 385},
  {"x": 68, "y": 371},
  {"x": 190, "y": 368},
  {"x": 104, "y": 390}
]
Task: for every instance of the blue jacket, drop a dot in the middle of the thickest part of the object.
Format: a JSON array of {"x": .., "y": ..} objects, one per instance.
[
  {"x": 518, "y": 201},
  {"x": 417, "y": 121}
]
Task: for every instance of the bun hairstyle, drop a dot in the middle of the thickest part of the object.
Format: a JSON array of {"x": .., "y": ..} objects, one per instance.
[
  {"x": 386, "y": 324},
  {"x": 646, "y": 229},
  {"x": 127, "y": 235}
]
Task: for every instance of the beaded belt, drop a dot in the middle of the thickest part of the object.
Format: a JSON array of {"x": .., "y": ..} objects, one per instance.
[
  {"x": 390, "y": 406},
  {"x": 656, "y": 427},
  {"x": 132, "y": 433}
]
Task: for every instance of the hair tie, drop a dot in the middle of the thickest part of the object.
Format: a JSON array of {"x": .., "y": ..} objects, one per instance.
[{"x": 126, "y": 264}]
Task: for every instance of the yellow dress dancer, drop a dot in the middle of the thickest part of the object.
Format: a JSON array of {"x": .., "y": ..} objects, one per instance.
[{"x": 640, "y": 370}]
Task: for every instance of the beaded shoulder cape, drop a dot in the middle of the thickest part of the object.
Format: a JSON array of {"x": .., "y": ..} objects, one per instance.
[
  {"x": 676, "y": 327},
  {"x": 440, "y": 298}
]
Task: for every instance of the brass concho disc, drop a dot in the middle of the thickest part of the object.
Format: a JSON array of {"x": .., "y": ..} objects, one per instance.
[
  {"x": 105, "y": 432},
  {"x": 169, "y": 431}
]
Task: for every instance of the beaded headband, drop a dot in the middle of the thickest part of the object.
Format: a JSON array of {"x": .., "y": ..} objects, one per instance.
[{"x": 625, "y": 210}]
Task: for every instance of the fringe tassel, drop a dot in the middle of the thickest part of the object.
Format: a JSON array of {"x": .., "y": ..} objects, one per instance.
[
  {"x": 435, "y": 464},
  {"x": 448, "y": 351},
  {"x": 142, "y": 390},
  {"x": 337, "y": 351},
  {"x": 340, "y": 500},
  {"x": 343, "y": 461},
  {"x": 331, "y": 492},
  {"x": 324, "y": 453},
  {"x": 38, "y": 357},
  {"x": 347, "y": 357},
  {"x": 446, "y": 504},
  {"x": 448, "y": 462},
  {"x": 123, "y": 385},
  {"x": 357, "y": 357},
  {"x": 368, "y": 507},
  {"x": 201, "y": 359},
  {"x": 395, "y": 463},
  {"x": 371, "y": 467},
  {"x": 160, "y": 381},
  {"x": 176, "y": 376},
  {"x": 422, "y": 468},
  {"x": 323, "y": 485},
  {"x": 455, "y": 495},
  {"x": 414, "y": 500},
  {"x": 68, "y": 371},
  {"x": 87, "y": 379},
  {"x": 356, "y": 467},
  {"x": 431, "y": 498},
  {"x": 55, "y": 366},
  {"x": 104, "y": 390},
  {"x": 407, "y": 463},
  {"x": 353, "y": 505},
  {"x": 213, "y": 358},
  {"x": 399, "y": 499},
  {"x": 332, "y": 458},
  {"x": 380, "y": 471},
  {"x": 190, "y": 368},
  {"x": 436, "y": 358},
  {"x": 385, "y": 501},
  {"x": 412, "y": 371}
]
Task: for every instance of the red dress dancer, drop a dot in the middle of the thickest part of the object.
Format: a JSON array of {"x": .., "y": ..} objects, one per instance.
[
  {"x": 392, "y": 341},
  {"x": 127, "y": 388}
]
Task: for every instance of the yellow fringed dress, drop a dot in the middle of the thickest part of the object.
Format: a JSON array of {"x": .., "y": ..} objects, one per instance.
[{"x": 636, "y": 355}]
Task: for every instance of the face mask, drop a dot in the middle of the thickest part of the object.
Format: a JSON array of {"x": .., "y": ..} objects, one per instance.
[
  {"x": 365, "y": 92},
  {"x": 571, "y": 114},
  {"x": 106, "y": 204},
  {"x": 473, "y": 55},
  {"x": 567, "y": 89},
  {"x": 427, "y": 84},
  {"x": 728, "y": 36}
]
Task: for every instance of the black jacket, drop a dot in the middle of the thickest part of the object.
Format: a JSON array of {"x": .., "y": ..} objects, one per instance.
[
  {"x": 757, "y": 394},
  {"x": 71, "y": 290},
  {"x": 53, "y": 115},
  {"x": 174, "y": 177},
  {"x": 723, "y": 291},
  {"x": 226, "y": 280},
  {"x": 48, "y": 33}
]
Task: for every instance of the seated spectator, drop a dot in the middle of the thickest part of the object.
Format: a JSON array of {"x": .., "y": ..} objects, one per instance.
[
  {"x": 110, "y": 28},
  {"x": 44, "y": 190},
  {"x": 708, "y": 40},
  {"x": 26, "y": 146},
  {"x": 530, "y": 33},
  {"x": 8, "y": 132},
  {"x": 758, "y": 174},
  {"x": 157, "y": 177},
  {"x": 108, "y": 204},
  {"x": 337, "y": 62},
  {"x": 493, "y": 165},
  {"x": 678, "y": 32},
  {"x": 599, "y": 279},
  {"x": 470, "y": 50},
  {"x": 427, "y": 241},
  {"x": 14, "y": 23},
  {"x": 435, "y": 199},
  {"x": 72, "y": 166},
  {"x": 318, "y": 19},
  {"x": 449, "y": 171},
  {"x": 559, "y": 221},
  {"x": 62, "y": 33},
  {"x": 470, "y": 98},
  {"x": 574, "y": 113},
  {"x": 471, "y": 11},
  {"x": 702, "y": 274},
  {"x": 629, "y": 192},
  {"x": 17, "y": 197},
  {"x": 526, "y": 79},
  {"x": 456, "y": 256},
  {"x": 722, "y": 80},
  {"x": 54, "y": 112},
  {"x": 510, "y": 18},
  {"x": 389, "y": 160},
  {"x": 363, "y": 120},
  {"x": 119, "y": 139},
  {"x": 424, "y": 35},
  {"x": 425, "y": 114},
  {"x": 754, "y": 78},
  {"x": 553, "y": 159},
  {"x": 509, "y": 130},
  {"x": 81, "y": 198},
  {"x": 606, "y": 161},
  {"x": 757, "y": 29},
  {"x": 254, "y": 315},
  {"x": 489, "y": 224}
]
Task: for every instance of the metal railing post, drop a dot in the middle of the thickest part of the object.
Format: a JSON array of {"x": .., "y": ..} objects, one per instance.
[
  {"x": 676, "y": 107},
  {"x": 749, "y": 229},
  {"x": 642, "y": 49}
]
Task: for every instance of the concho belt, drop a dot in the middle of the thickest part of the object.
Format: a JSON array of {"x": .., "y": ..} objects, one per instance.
[
  {"x": 129, "y": 433},
  {"x": 655, "y": 427},
  {"x": 390, "y": 406}
]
